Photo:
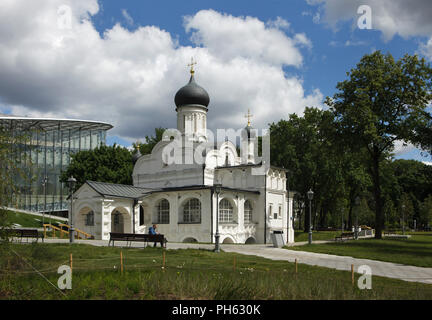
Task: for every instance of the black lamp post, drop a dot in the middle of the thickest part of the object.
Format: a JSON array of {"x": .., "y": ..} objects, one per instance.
[
  {"x": 403, "y": 219},
  {"x": 217, "y": 188},
  {"x": 342, "y": 219},
  {"x": 71, "y": 184},
  {"x": 357, "y": 202},
  {"x": 310, "y": 195},
  {"x": 44, "y": 184}
]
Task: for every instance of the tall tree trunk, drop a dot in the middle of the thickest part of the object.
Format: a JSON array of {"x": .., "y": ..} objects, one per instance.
[
  {"x": 322, "y": 216},
  {"x": 300, "y": 219},
  {"x": 350, "y": 222},
  {"x": 379, "y": 216},
  {"x": 307, "y": 221}
]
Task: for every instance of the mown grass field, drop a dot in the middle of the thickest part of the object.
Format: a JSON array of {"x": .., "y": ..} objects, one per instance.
[
  {"x": 416, "y": 251},
  {"x": 28, "y": 220},
  {"x": 187, "y": 274}
]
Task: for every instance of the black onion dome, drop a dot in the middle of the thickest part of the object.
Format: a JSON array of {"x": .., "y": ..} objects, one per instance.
[
  {"x": 192, "y": 94},
  {"x": 248, "y": 132}
]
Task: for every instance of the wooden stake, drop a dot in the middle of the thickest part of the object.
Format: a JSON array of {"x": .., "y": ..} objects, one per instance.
[
  {"x": 163, "y": 260},
  {"x": 352, "y": 274},
  {"x": 296, "y": 269},
  {"x": 234, "y": 265},
  {"x": 70, "y": 259},
  {"x": 121, "y": 261}
]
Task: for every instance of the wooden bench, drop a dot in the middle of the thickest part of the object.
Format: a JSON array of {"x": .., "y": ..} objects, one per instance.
[
  {"x": 25, "y": 233},
  {"x": 345, "y": 235},
  {"x": 137, "y": 237}
]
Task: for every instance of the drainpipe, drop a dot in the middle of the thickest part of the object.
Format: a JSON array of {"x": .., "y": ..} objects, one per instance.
[
  {"x": 289, "y": 207},
  {"x": 135, "y": 202},
  {"x": 211, "y": 214},
  {"x": 203, "y": 173},
  {"x": 265, "y": 209}
]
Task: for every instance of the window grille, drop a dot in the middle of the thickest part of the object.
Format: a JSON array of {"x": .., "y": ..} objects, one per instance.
[
  {"x": 247, "y": 212},
  {"x": 162, "y": 211},
  {"x": 192, "y": 211},
  {"x": 225, "y": 211}
]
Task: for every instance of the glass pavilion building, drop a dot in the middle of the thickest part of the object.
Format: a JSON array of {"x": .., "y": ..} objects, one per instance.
[{"x": 43, "y": 150}]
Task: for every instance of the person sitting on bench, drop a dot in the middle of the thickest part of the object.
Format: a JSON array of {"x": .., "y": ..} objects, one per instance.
[{"x": 152, "y": 230}]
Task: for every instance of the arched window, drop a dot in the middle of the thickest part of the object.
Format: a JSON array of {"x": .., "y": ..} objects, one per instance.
[
  {"x": 225, "y": 211},
  {"x": 90, "y": 218},
  {"x": 247, "y": 212},
  {"x": 162, "y": 212},
  {"x": 141, "y": 216},
  {"x": 192, "y": 211}
]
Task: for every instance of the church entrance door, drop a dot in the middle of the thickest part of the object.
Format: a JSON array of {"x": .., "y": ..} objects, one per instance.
[{"x": 117, "y": 222}]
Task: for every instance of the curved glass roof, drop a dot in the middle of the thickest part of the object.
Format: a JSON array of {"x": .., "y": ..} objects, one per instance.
[{"x": 49, "y": 124}]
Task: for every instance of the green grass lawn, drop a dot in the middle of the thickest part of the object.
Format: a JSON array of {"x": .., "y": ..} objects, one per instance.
[
  {"x": 416, "y": 251},
  {"x": 188, "y": 274},
  {"x": 300, "y": 236},
  {"x": 28, "y": 220}
]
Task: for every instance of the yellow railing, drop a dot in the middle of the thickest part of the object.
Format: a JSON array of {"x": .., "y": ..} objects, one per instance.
[{"x": 78, "y": 233}]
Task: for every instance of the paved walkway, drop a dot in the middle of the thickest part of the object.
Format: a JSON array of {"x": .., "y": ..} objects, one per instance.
[{"x": 379, "y": 268}]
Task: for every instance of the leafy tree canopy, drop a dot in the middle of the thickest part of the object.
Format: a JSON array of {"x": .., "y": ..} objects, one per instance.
[
  {"x": 383, "y": 101},
  {"x": 111, "y": 164},
  {"x": 150, "y": 142}
]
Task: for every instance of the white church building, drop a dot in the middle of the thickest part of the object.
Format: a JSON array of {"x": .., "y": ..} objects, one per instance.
[{"x": 174, "y": 190}]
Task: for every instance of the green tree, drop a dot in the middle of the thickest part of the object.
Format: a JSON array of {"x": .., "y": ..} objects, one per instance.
[
  {"x": 409, "y": 176},
  {"x": 12, "y": 162},
  {"x": 381, "y": 102},
  {"x": 303, "y": 145},
  {"x": 425, "y": 220},
  {"x": 355, "y": 179},
  {"x": 150, "y": 142},
  {"x": 111, "y": 164}
]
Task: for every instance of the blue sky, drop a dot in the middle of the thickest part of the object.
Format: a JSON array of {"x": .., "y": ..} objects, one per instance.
[
  {"x": 325, "y": 65},
  {"x": 122, "y": 61},
  {"x": 333, "y": 53}
]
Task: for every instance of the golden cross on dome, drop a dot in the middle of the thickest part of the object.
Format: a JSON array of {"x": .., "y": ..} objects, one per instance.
[
  {"x": 191, "y": 65},
  {"x": 249, "y": 116}
]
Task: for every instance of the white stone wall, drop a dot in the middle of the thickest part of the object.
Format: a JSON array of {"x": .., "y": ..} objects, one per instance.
[
  {"x": 192, "y": 121},
  {"x": 149, "y": 172},
  {"x": 175, "y": 231}
]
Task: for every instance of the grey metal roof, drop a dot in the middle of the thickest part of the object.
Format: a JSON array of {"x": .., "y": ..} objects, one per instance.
[
  {"x": 117, "y": 190},
  {"x": 131, "y": 192},
  {"x": 48, "y": 124},
  {"x": 201, "y": 187},
  {"x": 250, "y": 165}
]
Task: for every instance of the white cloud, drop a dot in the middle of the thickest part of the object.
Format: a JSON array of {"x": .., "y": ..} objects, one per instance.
[
  {"x": 302, "y": 40},
  {"x": 129, "y": 78},
  {"x": 426, "y": 49},
  {"x": 230, "y": 37},
  {"x": 428, "y": 163},
  {"x": 127, "y": 17},
  {"x": 350, "y": 43},
  {"x": 279, "y": 23},
  {"x": 391, "y": 17},
  {"x": 401, "y": 148},
  {"x": 316, "y": 18}
]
